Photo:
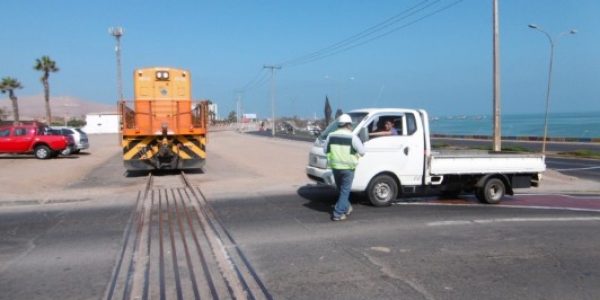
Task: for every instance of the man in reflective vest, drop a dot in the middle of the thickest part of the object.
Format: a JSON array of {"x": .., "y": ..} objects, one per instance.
[{"x": 343, "y": 149}]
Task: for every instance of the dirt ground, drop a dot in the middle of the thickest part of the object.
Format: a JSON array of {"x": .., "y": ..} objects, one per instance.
[
  {"x": 263, "y": 165},
  {"x": 23, "y": 177}
]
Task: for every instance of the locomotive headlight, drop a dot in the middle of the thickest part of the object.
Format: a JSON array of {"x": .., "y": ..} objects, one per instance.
[{"x": 162, "y": 75}]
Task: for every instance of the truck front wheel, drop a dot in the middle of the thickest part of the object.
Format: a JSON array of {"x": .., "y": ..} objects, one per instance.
[
  {"x": 42, "y": 152},
  {"x": 491, "y": 192},
  {"x": 382, "y": 190}
]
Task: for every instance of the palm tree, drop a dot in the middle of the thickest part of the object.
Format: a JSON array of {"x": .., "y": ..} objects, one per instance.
[
  {"x": 9, "y": 84},
  {"x": 46, "y": 65}
]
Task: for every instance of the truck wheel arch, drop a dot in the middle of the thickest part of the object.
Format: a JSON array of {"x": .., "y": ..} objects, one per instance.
[{"x": 38, "y": 143}]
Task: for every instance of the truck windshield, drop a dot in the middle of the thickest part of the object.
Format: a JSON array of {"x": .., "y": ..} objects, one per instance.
[{"x": 356, "y": 118}]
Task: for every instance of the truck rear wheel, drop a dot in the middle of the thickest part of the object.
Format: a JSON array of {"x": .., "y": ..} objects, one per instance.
[
  {"x": 382, "y": 190},
  {"x": 42, "y": 152},
  {"x": 492, "y": 191}
]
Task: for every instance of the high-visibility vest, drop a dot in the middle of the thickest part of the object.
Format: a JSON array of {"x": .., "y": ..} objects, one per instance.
[{"x": 340, "y": 153}]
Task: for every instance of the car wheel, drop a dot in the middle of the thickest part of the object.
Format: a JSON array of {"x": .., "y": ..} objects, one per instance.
[
  {"x": 382, "y": 190},
  {"x": 65, "y": 152},
  {"x": 492, "y": 191},
  {"x": 42, "y": 152}
]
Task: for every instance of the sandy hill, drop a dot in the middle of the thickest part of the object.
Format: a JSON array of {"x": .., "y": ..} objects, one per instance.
[{"x": 33, "y": 107}]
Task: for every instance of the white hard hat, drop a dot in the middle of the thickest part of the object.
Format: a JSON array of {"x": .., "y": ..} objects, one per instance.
[{"x": 344, "y": 119}]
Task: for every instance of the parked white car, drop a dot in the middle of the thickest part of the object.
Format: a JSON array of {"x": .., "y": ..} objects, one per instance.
[{"x": 80, "y": 137}]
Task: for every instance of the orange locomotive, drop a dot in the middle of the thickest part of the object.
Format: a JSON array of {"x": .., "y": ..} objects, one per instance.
[{"x": 164, "y": 129}]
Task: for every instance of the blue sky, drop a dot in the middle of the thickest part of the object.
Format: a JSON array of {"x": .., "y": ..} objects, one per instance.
[{"x": 442, "y": 63}]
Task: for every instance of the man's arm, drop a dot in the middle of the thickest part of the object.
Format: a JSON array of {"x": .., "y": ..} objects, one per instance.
[{"x": 358, "y": 145}]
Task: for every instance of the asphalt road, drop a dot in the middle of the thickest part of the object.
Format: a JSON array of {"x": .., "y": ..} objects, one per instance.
[
  {"x": 408, "y": 251},
  {"x": 415, "y": 251},
  {"x": 59, "y": 251},
  {"x": 582, "y": 168}
]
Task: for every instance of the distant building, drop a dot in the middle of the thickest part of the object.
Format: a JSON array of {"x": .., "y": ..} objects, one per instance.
[
  {"x": 213, "y": 110},
  {"x": 249, "y": 118},
  {"x": 102, "y": 123}
]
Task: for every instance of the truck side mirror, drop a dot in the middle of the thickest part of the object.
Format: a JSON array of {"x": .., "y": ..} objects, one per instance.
[{"x": 363, "y": 134}]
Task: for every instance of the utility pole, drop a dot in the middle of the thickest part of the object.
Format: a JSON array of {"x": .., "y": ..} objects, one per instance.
[
  {"x": 239, "y": 110},
  {"x": 117, "y": 32},
  {"x": 273, "y": 68},
  {"x": 497, "y": 130}
]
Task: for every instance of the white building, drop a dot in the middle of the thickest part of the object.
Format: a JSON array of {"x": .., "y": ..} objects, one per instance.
[
  {"x": 101, "y": 123},
  {"x": 214, "y": 108}
]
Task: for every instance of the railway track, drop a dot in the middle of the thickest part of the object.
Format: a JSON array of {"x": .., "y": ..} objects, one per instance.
[{"x": 175, "y": 247}]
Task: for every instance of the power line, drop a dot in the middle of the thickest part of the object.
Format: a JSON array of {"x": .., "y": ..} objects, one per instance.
[
  {"x": 368, "y": 35},
  {"x": 373, "y": 29},
  {"x": 261, "y": 82},
  {"x": 257, "y": 81},
  {"x": 378, "y": 36}
]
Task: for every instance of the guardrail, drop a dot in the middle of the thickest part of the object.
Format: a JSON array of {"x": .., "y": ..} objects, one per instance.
[{"x": 520, "y": 138}]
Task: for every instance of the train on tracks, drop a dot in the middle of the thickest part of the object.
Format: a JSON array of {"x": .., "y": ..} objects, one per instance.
[{"x": 162, "y": 128}]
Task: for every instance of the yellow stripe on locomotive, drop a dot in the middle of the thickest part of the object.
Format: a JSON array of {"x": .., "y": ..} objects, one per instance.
[{"x": 164, "y": 129}]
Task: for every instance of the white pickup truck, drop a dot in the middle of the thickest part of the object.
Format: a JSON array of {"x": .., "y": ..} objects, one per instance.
[{"x": 404, "y": 164}]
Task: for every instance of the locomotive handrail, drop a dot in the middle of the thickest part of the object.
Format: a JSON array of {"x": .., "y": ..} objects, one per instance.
[{"x": 130, "y": 118}]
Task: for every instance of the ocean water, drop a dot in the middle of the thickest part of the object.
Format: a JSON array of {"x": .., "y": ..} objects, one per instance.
[{"x": 560, "y": 125}]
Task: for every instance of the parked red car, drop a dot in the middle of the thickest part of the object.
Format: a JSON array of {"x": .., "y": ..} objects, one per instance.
[{"x": 33, "y": 138}]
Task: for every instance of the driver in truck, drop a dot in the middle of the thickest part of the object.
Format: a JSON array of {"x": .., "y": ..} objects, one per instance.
[
  {"x": 388, "y": 129},
  {"x": 343, "y": 149}
]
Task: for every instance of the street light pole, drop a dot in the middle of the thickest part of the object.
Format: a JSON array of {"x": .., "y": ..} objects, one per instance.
[
  {"x": 272, "y": 67},
  {"x": 117, "y": 32},
  {"x": 552, "y": 44}
]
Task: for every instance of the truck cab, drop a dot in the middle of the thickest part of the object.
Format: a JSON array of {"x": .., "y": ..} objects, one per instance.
[
  {"x": 400, "y": 154},
  {"x": 403, "y": 162}
]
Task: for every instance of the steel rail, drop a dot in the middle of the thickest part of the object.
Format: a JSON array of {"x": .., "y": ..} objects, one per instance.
[
  {"x": 170, "y": 218},
  {"x": 173, "y": 248},
  {"x": 141, "y": 210},
  {"x": 161, "y": 266},
  {"x": 236, "y": 286},
  {"x": 207, "y": 275},
  {"x": 234, "y": 245},
  {"x": 216, "y": 225},
  {"x": 185, "y": 245},
  {"x": 126, "y": 237}
]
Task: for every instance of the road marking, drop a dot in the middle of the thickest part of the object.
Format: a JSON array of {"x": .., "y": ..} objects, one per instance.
[
  {"x": 508, "y": 220},
  {"x": 582, "y": 196}
]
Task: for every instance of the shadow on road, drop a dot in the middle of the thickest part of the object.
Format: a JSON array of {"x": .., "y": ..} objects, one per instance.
[
  {"x": 323, "y": 198},
  {"x": 143, "y": 173}
]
